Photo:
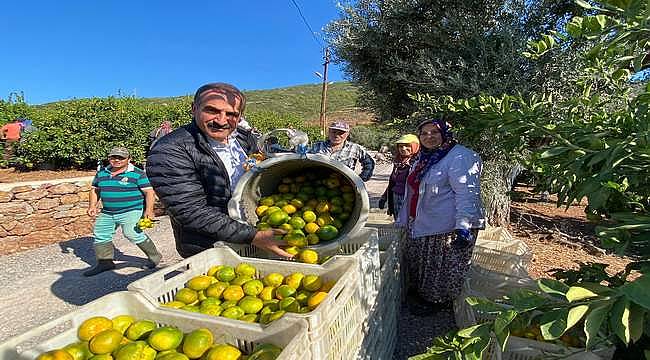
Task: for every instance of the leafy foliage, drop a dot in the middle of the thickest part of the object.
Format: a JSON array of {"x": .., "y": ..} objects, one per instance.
[
  {"x": 78, "y": 133},
  {"x": 595, "y": 144},
  {"x": 14, "y": 107},
  {"x": 395, "y": 48},
  {"x": 583, "y": 314}
]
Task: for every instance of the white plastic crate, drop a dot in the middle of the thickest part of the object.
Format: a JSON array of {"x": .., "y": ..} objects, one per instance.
[
  {"x": 486, "y": 284},
  {"x": 385, "y": 225},
  {"x": 288, "y": 334},
  {"x": 495, "y": 285},
  {"x": 494, "y": 233},
  {"x": 519, "y": 348},
  {"x": 334, "y": 321},
  {"x": 362, "y": 245},
  {"x": 507, "y": 257},
  {"x": 381, "y": 328}
]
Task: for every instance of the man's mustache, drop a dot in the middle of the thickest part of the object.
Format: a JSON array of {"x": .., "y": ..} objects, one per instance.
[{"x": 215, "y": 126}]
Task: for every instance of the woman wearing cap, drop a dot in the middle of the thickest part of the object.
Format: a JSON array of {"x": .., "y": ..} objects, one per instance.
[
  {"x": 443, "y": 213},
  {"x": 407, "y": 148}
]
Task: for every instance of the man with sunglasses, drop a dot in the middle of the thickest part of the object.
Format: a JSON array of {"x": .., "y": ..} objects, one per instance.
[
  {"x": 126, "y": 196},
  {"x": 339, "y": 148},
  {"x": 194, "y": 171}
]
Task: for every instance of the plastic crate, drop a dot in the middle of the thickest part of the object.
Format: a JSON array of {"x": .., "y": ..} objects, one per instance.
[
  {"x": 519, "y": 348},
  {"x": 507, "y": 257},
  {"x": 362, "y": 245},
  {"x": 289, "y": 334},
  {"x": 332, "y": 326},
  {"x": 385, "y": 225},
  {"x": 495, "y": 285},
  {"x": 381, "y": 328},
  {"x": 494, "y": 233}
]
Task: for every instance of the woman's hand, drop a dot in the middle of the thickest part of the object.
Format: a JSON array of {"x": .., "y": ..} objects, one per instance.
[{"x": 464, "y": 239}]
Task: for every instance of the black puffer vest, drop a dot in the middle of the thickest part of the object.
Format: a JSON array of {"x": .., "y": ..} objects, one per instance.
[{"x": 193, "y": 184}]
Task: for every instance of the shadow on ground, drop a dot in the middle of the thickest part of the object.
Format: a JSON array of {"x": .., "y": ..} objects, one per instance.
[{"x": 74, "y": 288}]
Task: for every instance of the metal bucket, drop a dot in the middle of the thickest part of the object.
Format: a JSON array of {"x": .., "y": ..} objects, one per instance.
[{"x": 265, "y": 178}]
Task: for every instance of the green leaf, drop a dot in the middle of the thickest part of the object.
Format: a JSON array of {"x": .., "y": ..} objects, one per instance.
[
  {"x": 484, "y": 305},
  {"x": 575, "y": 314},
  {"x": 553, "y": 287},
  {"x": 553, "y": 152},
  {"x": 526, "y": 299},
  {"x": 475, "y": 331},
  {"x": 502, "y": 338},
  {"x": 620, "y": 319},
  {"x": 637, "y": 314},
  {"x": 621, "y": 74},
  {"x": 475, "y": 350},
  {"x": 553, "y": 323},
  {"x": 584, "y": 4},
  {"x": 427, "y": 356},
  {"x": 594, "y": 320},
  {"x": 503, "y": 320},
  {"x": 601, "y": 290},
  {"x": 647, "y": 354},
  {"x": 638, "y": 291},
  {"x": 577, "y": 293}
]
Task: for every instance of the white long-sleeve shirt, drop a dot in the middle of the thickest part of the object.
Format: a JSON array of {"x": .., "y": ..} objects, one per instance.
[
  {"x": 449, "y": 196},
  {"x": 232, "y": 156}
]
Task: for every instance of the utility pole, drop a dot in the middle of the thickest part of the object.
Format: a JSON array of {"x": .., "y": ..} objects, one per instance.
[{"x": 323, "y": 99}]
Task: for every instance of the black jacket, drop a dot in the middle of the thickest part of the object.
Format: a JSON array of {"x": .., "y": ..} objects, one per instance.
[{"x": 192, "y": 183}]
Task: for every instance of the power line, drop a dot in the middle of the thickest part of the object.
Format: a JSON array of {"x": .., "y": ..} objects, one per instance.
[{"x": 313, "y": 34}]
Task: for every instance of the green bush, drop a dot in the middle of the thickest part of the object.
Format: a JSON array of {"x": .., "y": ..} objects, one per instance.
[
  {"x": 80, "y": 132},
  {"x": 373, "y": 137},
  {"x": 14, "y": 107}
]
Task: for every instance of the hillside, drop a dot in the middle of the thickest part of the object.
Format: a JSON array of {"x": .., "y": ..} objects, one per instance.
[{"x": 302, "y": 101}]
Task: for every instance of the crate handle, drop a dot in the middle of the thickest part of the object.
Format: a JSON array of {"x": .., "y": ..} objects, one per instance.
[
  {"x": 8, "y": 349},
  {"x": 177, "y": 269}
]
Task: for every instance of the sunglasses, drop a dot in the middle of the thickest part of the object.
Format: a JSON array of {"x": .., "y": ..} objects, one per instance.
[{"x": 116, "y": 157}]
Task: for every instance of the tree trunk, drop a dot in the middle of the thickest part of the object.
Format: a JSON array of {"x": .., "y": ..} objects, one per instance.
[{"x": 496, "y": 183}]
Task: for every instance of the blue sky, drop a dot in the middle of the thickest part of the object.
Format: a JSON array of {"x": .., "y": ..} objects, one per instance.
[{"x": 57, "y": 50}]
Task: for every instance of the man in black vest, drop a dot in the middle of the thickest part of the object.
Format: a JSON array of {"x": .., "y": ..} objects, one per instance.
[{"x": 195, "y": 169}]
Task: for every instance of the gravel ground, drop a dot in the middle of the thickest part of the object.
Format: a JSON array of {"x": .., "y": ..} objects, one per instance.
[{"x": 42, "y": 284}]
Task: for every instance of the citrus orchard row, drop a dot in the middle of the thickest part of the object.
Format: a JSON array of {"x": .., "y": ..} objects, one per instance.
[
  {"x": 125, "y": 338},
  {"x": 309, "y": 209},
  {"x": 235, "y": 293}
]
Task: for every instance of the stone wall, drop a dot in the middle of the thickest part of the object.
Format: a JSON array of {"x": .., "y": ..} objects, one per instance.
[{"x": 37, "y": 215}]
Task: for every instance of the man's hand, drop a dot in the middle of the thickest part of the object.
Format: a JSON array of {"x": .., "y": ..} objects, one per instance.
[
  {"x": 265, "y": 240},
  {"x": 92, "y": 211}
]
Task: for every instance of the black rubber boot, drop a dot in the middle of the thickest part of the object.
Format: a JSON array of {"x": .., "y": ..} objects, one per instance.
[
  {"x": 154, "y": 256},
  {"x": 104, "y": 255}
]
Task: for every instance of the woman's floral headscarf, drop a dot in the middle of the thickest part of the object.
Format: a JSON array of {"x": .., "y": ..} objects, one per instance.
[{"x": 429, "y": 157}]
